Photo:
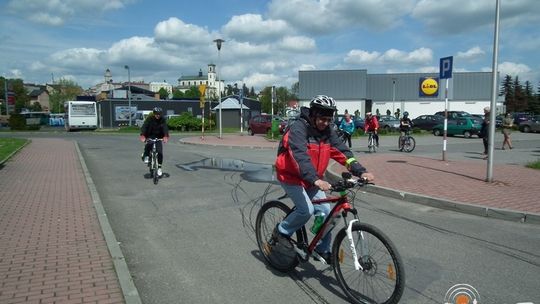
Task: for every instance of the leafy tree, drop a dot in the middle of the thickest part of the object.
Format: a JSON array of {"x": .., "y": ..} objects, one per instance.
[
  {"x": 283, "y": 96},
  {"x": 163, "y": 94},
  {"x": 295, "y": 89},
  {"x": 245, "y": 90},
  {"x": 507, "y": 90},
  {"x": 193, "y": 92},
  {"x": 252, "y": 92},
  {"x": 177, "y": 94},
  {"x": 64, "y": 90},
  {"x": 36, "y": 107},
  {"x": 520, "y": 104}
]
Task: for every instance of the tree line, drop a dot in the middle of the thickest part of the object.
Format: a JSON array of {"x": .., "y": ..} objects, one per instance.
[{"x": 520, "y": 97}]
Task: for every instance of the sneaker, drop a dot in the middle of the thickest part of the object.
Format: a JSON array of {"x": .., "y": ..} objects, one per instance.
[
  {"x": 146, "y": 160},
  {"x": 282, "y": 239},
  {"x": 159, "y": 172},
  {"x": 327, "y": 256}
]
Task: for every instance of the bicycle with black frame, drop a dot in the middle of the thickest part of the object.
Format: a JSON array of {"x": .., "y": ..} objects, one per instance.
[
  {"x": 366, "y": 263},
  {"x": 153, "y": 159},
  {"x": 406, "y": 142}
]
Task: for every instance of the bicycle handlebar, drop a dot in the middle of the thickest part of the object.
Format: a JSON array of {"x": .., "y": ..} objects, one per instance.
[
  {"x": 347, "y": 182},
  {"x": 154, "y": 139}
]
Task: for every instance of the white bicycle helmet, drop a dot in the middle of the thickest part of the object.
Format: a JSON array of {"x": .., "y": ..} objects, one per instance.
[{"x": 322, "y": 105}]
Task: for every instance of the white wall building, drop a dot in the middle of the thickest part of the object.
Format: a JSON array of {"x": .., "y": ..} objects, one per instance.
[
  {"x": 156, "y": 86},
  {"x": 210, "y": 80}
]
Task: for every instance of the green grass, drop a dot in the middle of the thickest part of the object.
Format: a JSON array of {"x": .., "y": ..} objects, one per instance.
[
  {"x": 534, "y": 165},
  {"x": 10, "y": 145}
]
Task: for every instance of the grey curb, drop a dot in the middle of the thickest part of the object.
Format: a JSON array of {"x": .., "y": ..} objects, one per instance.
[
  {"x": 131, "y": 295},
  {"x": 504, "y": 214}
]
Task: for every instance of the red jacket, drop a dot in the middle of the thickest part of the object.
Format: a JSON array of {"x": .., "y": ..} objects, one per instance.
[
  {"x": 304, "y": 153},
  {"x": 370, "y": 124}
]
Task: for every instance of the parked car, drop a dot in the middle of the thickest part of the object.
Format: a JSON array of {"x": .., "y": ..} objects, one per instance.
[
  {"x": 454, "y": 114},
  {"x": 262, "y": 124},
  {"x": 532, "y": 125},
  {"x": 427, "y": 122},
  {"x": 466, "y": 126},
  {"x": 520, "y": 117},
  {"x": 388, "y": 122}
]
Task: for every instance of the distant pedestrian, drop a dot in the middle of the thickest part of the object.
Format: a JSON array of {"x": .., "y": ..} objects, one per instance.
[
  {"x": 508, "y": 123},
  {"x": 484, "y": 131},
  {"x": 347, "y": 126}
]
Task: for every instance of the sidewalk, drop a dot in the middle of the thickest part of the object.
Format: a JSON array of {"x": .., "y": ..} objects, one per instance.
[
  {"x": 54, "y": 245},
  {"x": 457, "y": 185}
]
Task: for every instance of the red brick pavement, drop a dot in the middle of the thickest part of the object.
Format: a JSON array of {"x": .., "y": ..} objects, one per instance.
[
  {"x": 514, "y": 187},
  {"x": 52, "y": 249}
]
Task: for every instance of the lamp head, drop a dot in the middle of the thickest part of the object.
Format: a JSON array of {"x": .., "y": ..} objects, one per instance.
[{"x": 218, "y": 42}]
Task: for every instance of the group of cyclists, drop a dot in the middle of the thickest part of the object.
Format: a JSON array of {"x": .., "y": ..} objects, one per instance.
[{"x": 371, "y": 125}]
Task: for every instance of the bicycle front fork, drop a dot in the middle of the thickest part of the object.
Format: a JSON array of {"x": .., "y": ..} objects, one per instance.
[{"x": 357, "y": 265}]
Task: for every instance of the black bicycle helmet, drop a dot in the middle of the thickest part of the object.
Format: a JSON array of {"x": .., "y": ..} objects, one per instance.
[
  {"x": 405, "y": 113},
  {"x": 322, "y": 105},
  {"x": 158, "y": 110}
]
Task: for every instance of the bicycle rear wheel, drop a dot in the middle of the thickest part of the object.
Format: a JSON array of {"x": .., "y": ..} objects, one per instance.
[
  {"x": 270, "y": 214},
  {"x": 382, "y": 279},
  {"x": 409, "y": 144}
]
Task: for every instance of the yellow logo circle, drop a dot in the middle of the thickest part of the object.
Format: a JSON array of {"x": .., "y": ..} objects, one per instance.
[{"x": 429, "y": 86}]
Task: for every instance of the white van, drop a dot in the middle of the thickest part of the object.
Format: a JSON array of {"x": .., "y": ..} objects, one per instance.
[{"x": 140, "y": 117}]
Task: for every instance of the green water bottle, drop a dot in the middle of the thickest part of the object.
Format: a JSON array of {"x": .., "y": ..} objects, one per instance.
[{"x": 317, "y": 223}]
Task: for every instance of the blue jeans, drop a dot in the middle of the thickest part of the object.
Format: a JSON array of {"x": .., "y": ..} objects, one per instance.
[{"x": 304, "y": 210}]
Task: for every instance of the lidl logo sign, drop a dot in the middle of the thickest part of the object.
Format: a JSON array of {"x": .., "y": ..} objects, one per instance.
[{"x": 429, "y": 87}]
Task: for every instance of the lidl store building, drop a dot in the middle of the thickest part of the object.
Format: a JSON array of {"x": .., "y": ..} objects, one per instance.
[{"x": 416, "y": 93}]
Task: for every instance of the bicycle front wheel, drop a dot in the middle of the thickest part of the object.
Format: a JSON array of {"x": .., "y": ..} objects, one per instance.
[
  {"x": 270, "y": 214},
  {"x": 409, "y": 144},
  {"x": 382, "y": 277},
  {"x": 155, "y": 169}
]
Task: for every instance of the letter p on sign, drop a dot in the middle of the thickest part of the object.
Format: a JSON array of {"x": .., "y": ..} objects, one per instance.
[{"x": 445, "y": 67}]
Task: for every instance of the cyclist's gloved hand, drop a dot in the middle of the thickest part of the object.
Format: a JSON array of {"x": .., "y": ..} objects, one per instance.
[
  {"x": 142, "y": 138},
  {"x": 165, "y": 139},
  {"x": 367, "y": 176},
  {"x": 356, "y": 169}
]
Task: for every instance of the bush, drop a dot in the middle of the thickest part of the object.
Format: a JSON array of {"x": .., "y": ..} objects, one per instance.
[
  {"x": 17, "y": 122},
  {"x": 184, "y": 122}
]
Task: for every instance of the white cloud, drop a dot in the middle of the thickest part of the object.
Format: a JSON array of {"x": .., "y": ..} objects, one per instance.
[
  {"x": 252, "y": 27},
  {"x": 459, "y": 16},
  {"x": 361, "y": 56},
  {"x": 56, "y": 12},
  {"x": 174, "y": 30},
  {"x": 392, "y": 56},
  {"x": 324, "y": 16},
  {"x": 299, "y": 44},
  {"x": 471, "y": 54},
  {"x": 512, "y": 68}
]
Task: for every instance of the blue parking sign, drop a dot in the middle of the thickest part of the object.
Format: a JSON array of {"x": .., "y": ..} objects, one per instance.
[{"x": 445, "y": 67}]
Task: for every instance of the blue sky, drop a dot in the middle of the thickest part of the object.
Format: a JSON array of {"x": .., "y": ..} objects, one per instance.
[{"x": 267, "y": 42}]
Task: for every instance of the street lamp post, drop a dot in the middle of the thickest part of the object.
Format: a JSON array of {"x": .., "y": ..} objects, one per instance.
[
  {"x": 393, "y": 95},
  {"x": 218, "y": 42},
  {"x": 129, "y": 92}
]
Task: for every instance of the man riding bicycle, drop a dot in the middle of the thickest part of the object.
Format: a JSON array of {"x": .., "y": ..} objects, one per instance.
[
  {"x": 371, "y": 124},
  {"x": 154, "y": 126},
  {"x": 405, "y": 124},
  {"x": 303, "y": 156}
]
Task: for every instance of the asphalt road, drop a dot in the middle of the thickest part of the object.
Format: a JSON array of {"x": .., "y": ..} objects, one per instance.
[{"x": 190, "y": 238}]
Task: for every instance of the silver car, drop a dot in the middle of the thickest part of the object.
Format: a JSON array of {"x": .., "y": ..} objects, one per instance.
[
  {"x": 531, "y": 125},
  {"x": 388, "y": 123}
]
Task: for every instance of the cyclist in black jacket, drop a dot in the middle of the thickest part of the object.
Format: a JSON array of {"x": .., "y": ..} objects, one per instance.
[{"x": 155, "y": 126}]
